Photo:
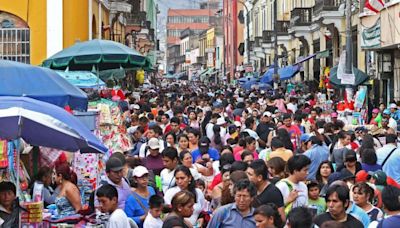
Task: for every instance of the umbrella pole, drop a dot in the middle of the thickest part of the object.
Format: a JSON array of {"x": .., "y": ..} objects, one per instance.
[{"x": 98, "y": 75}]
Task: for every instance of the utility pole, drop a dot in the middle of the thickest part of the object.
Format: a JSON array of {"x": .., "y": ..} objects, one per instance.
[
  {"x": 349, "y": 51},
  {"x": 276, "y": 41}
]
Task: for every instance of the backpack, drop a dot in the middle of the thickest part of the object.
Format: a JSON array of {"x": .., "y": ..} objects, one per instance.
[{"x": 289, "y": 206}]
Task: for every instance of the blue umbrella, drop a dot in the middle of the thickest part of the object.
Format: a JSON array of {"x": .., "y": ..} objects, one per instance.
[
  {"x": 43, "y": 124},
  {"x": 82, "y": 79},
  {"x": 284, "y": 73},
  {"x": 19, "y": 79}
]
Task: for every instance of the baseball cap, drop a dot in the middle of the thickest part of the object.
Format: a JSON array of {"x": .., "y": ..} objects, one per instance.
[
  {"x": 350, "y": 156},
  {"x": 114, "y": 164},
  {"x": 153, "y": 144},
  {"x": 375, "y": 110},
  {"x": 362, "y": 176},
  {"x": 134, "y": 106},
  {"x": 334, "y": 115},
  {"x": 268, "y": 114},
  {"x": 237, "y": 124},
  {"x": 305, "y": 138},
  {"x": 393, "y": 105},
  {"x": 386, "y": 112},
  {"x": 346, "y": 174},
  {"x": 139, "y": 171},
  {"x": 204, "y": 142},
  {"x": 379, "y": 176}
]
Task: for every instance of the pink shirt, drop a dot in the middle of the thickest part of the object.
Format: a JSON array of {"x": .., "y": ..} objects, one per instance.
[{"x": 238, "y": 156}]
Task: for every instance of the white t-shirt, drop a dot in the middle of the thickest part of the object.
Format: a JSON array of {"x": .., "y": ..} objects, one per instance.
[
  {"x": 292, "y": 107},
  {"x": 197, "y": 207},
  {"x": 167, "y": 179},
  {"x": 209, "y": 130},
  {"x": 302, "y": 198},
  {"x": 118, "y": 219},
  {"x": 151, "y": 222}
]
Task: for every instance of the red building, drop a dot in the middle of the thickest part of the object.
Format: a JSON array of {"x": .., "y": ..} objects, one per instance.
[
  {"x": 196, "y": 20},
  {"x": 233, "y": 35}
]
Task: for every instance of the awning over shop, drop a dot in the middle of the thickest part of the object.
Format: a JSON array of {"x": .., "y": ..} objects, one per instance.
[
  {"x": 285, "y": 73},
  {"x": 359, "y": 78},
  {"x": 305, "y": 59}
]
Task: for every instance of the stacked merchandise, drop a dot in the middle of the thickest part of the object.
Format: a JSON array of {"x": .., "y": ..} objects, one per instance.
[{"x": 33, "y": 215}]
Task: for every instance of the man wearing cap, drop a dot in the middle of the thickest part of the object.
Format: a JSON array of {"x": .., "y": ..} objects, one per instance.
[
  {"x": 153, "y": 158},
  {"x": 305, "y": 143},
  {"x": 154, "y": 132},
  {"x": 392, "y": 123},
  {"x": 115, "y": 177},
  {"x": 204, "y": 153},
  {"x": 394, "y": 112}
]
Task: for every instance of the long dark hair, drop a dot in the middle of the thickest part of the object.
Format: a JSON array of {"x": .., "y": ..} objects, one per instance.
[
  {"x": 270, "y": 210},
  {"x": 318, "y": 176},
  {"x": 284, "y": 136},
  {"x": 207, "y": 118},
  {"x": 192, "y": 184},
  {"x": 217, "y": 135}
]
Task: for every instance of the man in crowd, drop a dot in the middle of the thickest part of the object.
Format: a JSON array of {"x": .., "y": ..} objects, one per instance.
[
  {"x": 294, "y": 191},
  {"x": 266, "y": 191},
  {"x": 205, "y": 152},
  {"x": 337, "y": 201},
  {"x": 239, "y": 212},
  {"x": 9, "y": 205}
]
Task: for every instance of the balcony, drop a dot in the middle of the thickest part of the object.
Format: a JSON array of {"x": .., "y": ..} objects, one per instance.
[
  {"x": 282, "y": 28},
  {"x": 120, "y": 6},
  {"x": 267, "y": 36},
  {"x": 257, "y": 41},
  {"x": 326, "y": 5},
  {"x": 301, "y": 17},
  {"x": 138, "y": 19}
]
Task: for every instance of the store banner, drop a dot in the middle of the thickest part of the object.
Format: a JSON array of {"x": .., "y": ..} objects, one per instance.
[{"x": 371, "y": 37}]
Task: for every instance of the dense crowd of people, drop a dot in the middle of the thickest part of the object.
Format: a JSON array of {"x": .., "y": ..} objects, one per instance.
[{"x": 224, "y": 157}]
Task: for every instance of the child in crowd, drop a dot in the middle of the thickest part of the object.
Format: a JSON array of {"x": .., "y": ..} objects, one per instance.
[
  {"x": 314, "y": 200},
  {"x": 153, "y": 219},
  {"x": 107, "y": 195}
]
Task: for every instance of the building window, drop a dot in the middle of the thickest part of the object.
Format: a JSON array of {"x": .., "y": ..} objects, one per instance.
[{"x": 14, "y": 38}]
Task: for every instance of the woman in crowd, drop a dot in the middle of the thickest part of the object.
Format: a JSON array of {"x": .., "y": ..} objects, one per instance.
[
  {"x": 351, "y": 163},
  {"x": 68, "y": 200},
  {"x": 193, "y": 136},
  {"x": 193, "y": 121},
  {"x": 276, "y": 169},
  {"x": 217, "y": 190},
  {"x": 183, "y": 143},
  {"x": 170, "y": 138},
  {"x": 249, "y": 145},
  {"x": 369, "y": 159},
  {"x": 363, "y": 195},
  {"x": 325, "y": 169},
  {"x": 267, "y": 216},
  {"x": 339, "y": 148},
  {"x": 284, "y": 136},
  {"x": 43, "y": 181},
  {"x": 185, "y": 158},
  {"x": 185, "y": 181},
  {"x": 182, "y": 204},
  {"x": 137, "y": 204},
  {"x": 216, "y": 141}
]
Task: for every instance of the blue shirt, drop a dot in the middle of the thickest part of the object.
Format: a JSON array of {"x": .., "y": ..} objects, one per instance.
[
  {"x": 359, "y": 214},
  {"x": 391, "y": 167},
  {"x": 317, "y": 154},
  {"x": 229, "y": 216},
  {"x": 134, "y": 209},
  {"x": 196, "y": 154}
]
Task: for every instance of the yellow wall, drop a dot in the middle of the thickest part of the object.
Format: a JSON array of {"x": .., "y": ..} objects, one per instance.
[
  {"x": 35, "y": 16},
  {"x": 75, "y": 22},
  {"x": 210, "y": 38}
]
